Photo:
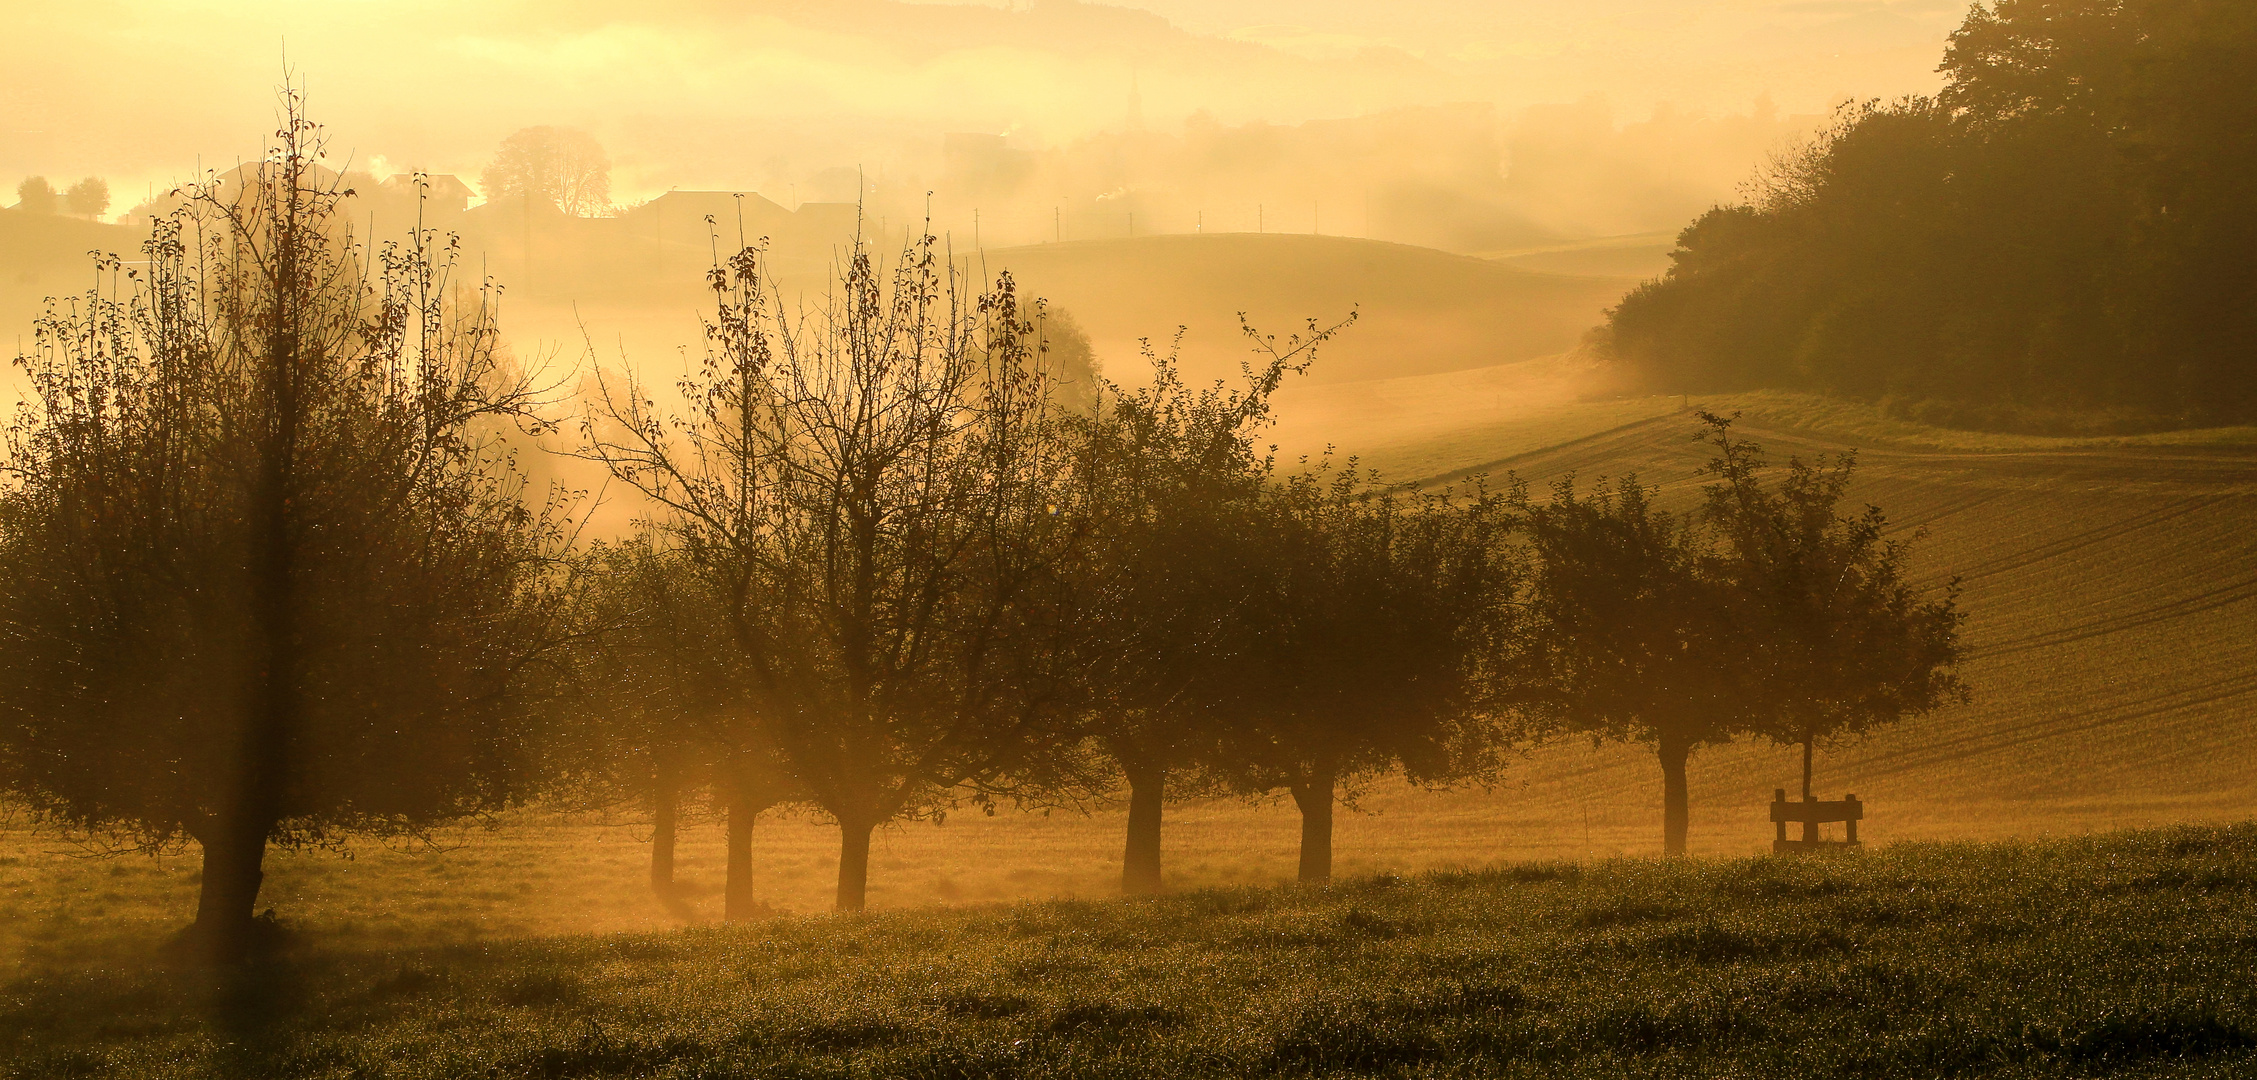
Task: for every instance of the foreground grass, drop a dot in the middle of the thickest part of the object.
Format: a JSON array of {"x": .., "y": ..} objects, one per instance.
[{"x": 2115, "y": 955}]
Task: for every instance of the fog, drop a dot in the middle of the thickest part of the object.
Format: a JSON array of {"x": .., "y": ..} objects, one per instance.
[
  {"x": 1547, "y": 137},
  {"x": 865, "y": 492},
  {"x": 1599, "y": 118}
]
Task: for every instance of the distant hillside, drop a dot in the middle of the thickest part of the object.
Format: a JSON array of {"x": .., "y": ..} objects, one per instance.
[
  {"x": 1422, "y": 311},
  {"x": 44, "y": 255},
  {"x": 1640, "y": 255}
]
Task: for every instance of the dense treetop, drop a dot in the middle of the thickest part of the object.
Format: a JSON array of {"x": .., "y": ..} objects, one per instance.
[{"x": 2057, "y": 241}]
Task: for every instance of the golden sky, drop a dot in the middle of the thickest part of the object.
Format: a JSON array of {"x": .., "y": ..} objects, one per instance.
[{"x": 723, "y": 92}]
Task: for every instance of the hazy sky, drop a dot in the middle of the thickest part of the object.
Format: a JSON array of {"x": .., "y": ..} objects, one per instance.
[
  {"x": 708, "y": 92},
  {"x": 1698, "y": 54}
]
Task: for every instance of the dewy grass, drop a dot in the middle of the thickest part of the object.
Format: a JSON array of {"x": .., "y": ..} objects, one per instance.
[{"x": 2125, "y": 954}]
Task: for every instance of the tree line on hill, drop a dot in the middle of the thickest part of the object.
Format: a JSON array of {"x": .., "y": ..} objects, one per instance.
[
  {"x": 2058, "y": 241},
  {"x": 270, "y": 573}
]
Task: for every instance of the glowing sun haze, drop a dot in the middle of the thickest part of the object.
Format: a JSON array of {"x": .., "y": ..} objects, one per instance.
[{"x": 697, "y": 93}]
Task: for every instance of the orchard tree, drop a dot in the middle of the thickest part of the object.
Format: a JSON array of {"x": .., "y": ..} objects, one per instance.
[
  {"x": 1173, "y": 477},
  {"x": 664, "y": 711},
  {"x": 265, "y": 575},
  {"x": 1373, "y": 642},
  {"x": 1630, "y": 630},
  {"x": 874, "y": 490},
  {"x": 1842, "y": 643}
]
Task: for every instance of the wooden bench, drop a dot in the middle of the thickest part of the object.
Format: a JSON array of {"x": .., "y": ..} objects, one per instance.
[{"x": 1849, "y": 811}]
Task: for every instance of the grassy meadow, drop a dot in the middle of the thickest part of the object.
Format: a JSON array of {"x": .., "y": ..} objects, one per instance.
[{"x": 2125, "y": 955}]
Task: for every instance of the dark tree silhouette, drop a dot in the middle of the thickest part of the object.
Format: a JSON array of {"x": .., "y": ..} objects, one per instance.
[
  {"x": 1630, "y": 631},
  {"x": 2058, "y": 241},
  {"x": 664, "y": 713},
  {"x": 266, "y": 576},
  {"x": 1843, "y": 644},
  {"x": 1369, "y": 644},
  {"x": 1173, "y": 479}
]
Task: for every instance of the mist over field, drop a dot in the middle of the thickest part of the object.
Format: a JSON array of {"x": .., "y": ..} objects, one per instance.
[{"x": 1054, "y": 538}]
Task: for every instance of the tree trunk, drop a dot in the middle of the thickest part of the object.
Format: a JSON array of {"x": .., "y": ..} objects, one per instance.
[
  {"x": 1140, "y": 861},
  {"x": 854, "y": 863},
  {"x": 258, "y": 796},
  {"x": 666, "y": 797},
  {"x": 1675, "y": 815},
  {"x": 1809, "y": 828},
  {"x": 743, "y": 811},
  {"x": 1314, "y": 797},
  {"x": 234, "y": 868}
]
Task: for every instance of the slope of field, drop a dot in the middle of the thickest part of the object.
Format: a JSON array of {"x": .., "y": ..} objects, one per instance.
[
  {"x": 2111, "y": 592},
  {"x": 1421, "y": 311},
  {"x": 43, "y": 255},
  {"x": 2126, "y": 956},
  {"x": 1417, "y": 426},
  {"x": 1638, "y": 256}
]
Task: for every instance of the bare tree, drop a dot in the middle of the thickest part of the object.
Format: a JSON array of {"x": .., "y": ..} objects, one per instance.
[
  {"x": 564, "y": 169},
  {"x": 874, "y": 490},
  {"x": 267, "y": 577}
]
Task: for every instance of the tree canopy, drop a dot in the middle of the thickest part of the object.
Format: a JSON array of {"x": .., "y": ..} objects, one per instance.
[
  {"x": 265, "y": 573},
  {"x": 2056, "y": 242}
]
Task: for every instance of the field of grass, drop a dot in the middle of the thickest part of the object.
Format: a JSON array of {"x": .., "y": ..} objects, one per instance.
[
  {"x": 2124, "y": 956},
  {"x": 2114, "y": 664}
]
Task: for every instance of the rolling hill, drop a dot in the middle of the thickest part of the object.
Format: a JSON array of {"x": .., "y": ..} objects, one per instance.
[
  {"x": 1636, "y": 255},
  {"x": 1420, "y": 311},
  {"x": 43, "y": 255}
]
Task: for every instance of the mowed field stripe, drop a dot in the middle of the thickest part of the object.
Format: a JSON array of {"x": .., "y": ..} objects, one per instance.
[
  {"x": 2223, "y": 596},
  {"x": 2087, "y": 538},
  {"x": 1936, "y": 752}
]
